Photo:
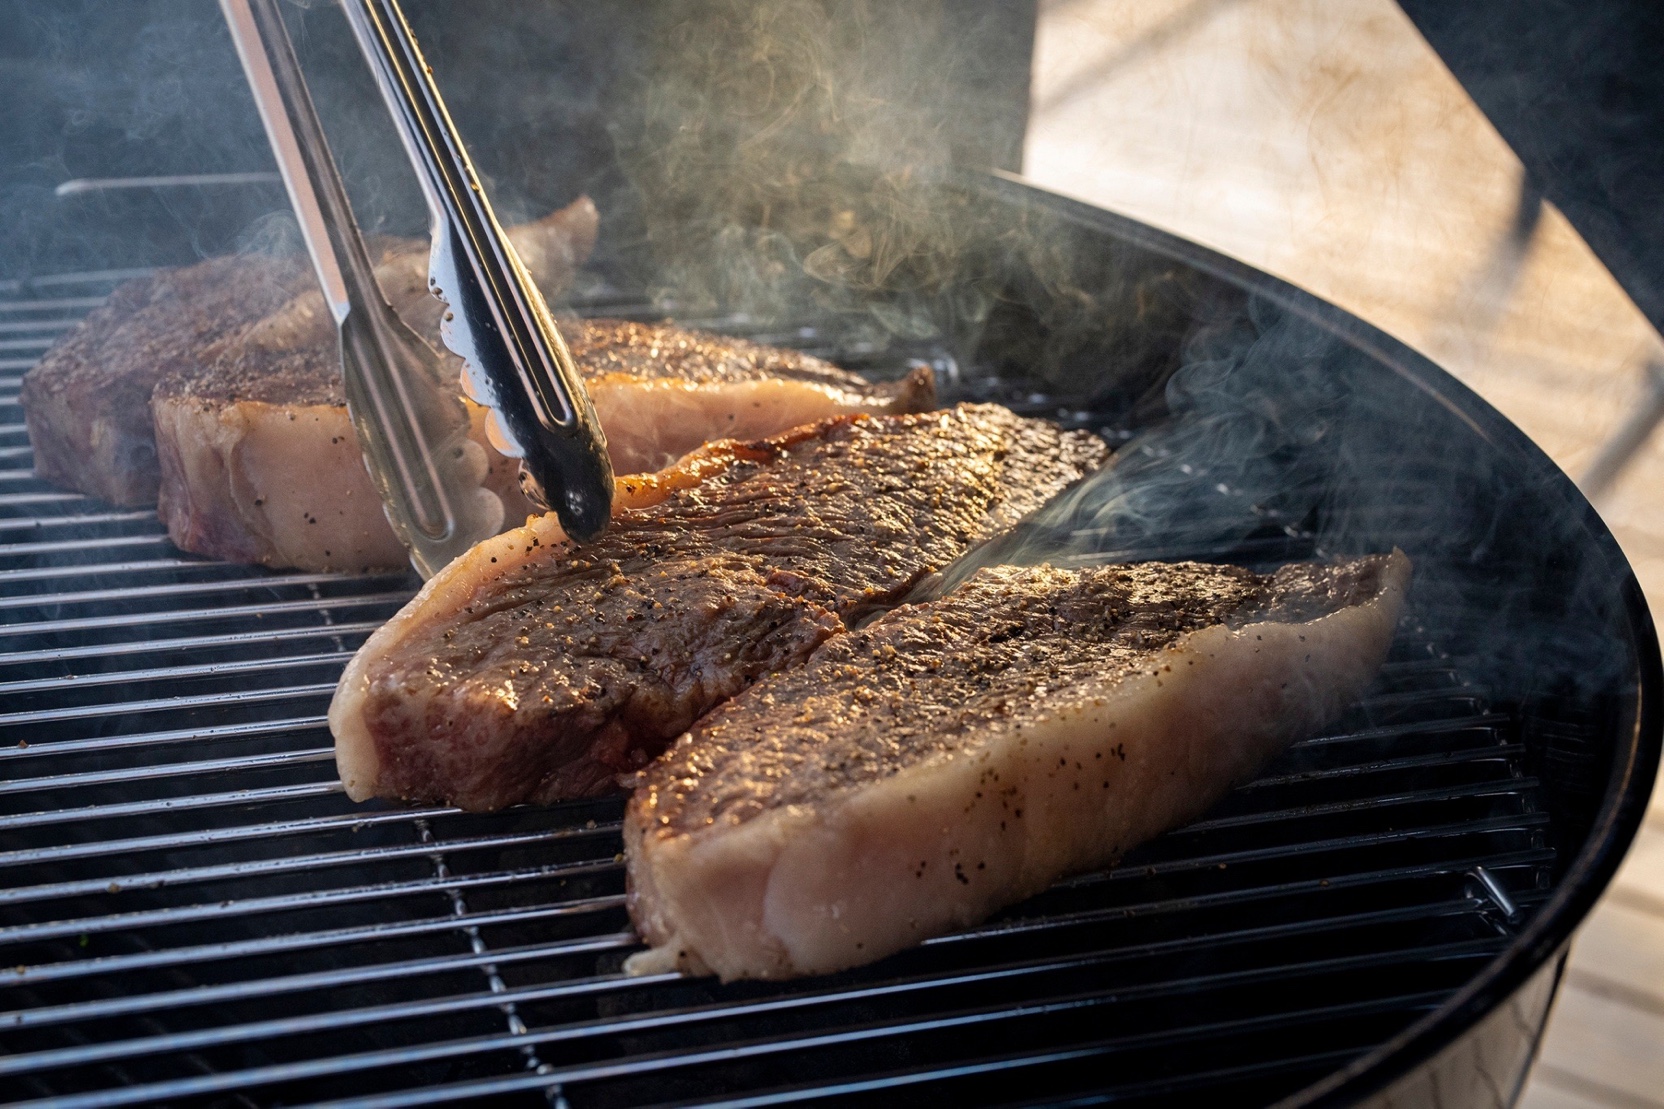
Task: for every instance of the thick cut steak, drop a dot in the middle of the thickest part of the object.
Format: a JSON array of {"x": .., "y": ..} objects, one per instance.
[
  {"x": 957, "y": 756},
  {"x": 260, "y": 462},
  {"x": 533, "y": 670},
  {"x": 87, "y": 403},
  {"x": 660, "y": 391}
]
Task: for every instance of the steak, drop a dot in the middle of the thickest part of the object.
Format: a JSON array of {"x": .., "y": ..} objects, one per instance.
[
  {"x": 87, "y": 402},
  {"x": 957, "y": 756},
  {"x": 260, "y": 462},
  {"x": 531, "y": 669},
  {"x": 660, "y": 391}
]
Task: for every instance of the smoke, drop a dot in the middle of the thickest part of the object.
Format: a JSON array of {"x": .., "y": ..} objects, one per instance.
[
  {"x": 788, "y": 154},
  {"x": 807, "y": 161},
  {"x": 1281, "y": 437},
  {"x": 1235, "y": 469},
  {"x": 136, "y": 90},
  {"x": 1251, "y": 416}
]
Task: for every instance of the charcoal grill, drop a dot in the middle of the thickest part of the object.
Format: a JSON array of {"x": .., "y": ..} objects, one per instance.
[{"x": 193, "y": 913}]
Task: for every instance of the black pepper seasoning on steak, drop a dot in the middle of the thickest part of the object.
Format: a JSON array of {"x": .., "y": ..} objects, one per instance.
[{"x": 532, "y": 672}]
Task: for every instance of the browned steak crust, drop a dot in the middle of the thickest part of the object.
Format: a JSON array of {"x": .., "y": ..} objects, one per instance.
[
  {"x": 957, "y": 756},
  {"x": 87, "y": 402},
  {"x": 254, "y": 441},
  {"x": 575, "y": 664},
  {"x": 291, "y": 358}
]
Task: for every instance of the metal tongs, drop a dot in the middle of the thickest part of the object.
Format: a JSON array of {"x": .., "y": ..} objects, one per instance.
[
  {"x": 518, "y": 365},
  {"x": 411, "y": 424}
]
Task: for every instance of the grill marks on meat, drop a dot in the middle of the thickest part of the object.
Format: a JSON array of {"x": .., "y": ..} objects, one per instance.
[
  {"x": 530, "y": 670},
  {"x": 957, "y": 756}
]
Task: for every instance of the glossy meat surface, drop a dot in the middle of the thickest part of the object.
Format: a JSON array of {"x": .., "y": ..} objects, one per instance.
[
  {"x": 260, "y": 462},
  {"x": 661, "y": 390},
  {"x": 87, "y": 402}
]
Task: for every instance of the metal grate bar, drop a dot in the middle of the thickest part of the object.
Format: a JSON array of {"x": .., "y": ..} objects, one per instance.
[
  {"x": 56, "y": 304},
  {"x": 230, "y": 798},
  {"x": 901, "y": 1079},
  {"x": 167, "y": 704},
  {"x": 184, "y": 589},
  {"x": 85, "y": 520},
  {"x": 75, "y": 682},
  {"x": 340, "y": 937},
  {"x": 1410, "y": 797},
  {"x": 347, "y": 1018},
  {"x": 8, "y": 327},
  {"x": 79, "y": 572},
  {"x": 255, "y": 924},
  {"x": 77, "y": 547},
  {"x": 1269, "y": 892},
  {"x": 187, "y": 643},
  {"x": 1315, "y": 847},
  {"x": 10, "y": 499},
  {"x": 169, "y": 879},
  {"x": 273, "y": 829},
  {"x": 1431, "y": 727},
  {"x": 106, "y": 1008},
  {"x": 195, "y": 736},
  {"x": 162, "y": 770},
  {"x": 1194, "y": 1080},
  {"x": 147, "y": 619},
  {"x": 1499, "y": 752},
  {"x": 183, "y": 914},
  {"x": 84, "y": 277},
  {"x": 644, "y": 1064}
]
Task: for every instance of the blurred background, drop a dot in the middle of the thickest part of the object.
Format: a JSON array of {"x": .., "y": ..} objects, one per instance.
[{"x": 1369, "y": 151}]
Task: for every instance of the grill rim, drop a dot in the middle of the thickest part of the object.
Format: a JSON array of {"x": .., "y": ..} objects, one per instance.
[{"x": 1634, "y": 766}]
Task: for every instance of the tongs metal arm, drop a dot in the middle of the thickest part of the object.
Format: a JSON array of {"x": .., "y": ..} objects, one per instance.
[
  {"x": 518, "y": 364},
  {"x": 411, "y": 423},
  {"x": 316, "y": 194}
]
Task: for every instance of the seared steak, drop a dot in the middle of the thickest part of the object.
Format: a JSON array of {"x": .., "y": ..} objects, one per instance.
[
  {"x": 957, "y": 756},
  {"x": 533, "y": 670},
  {"x": 87, "y": 402},
  {"x": 660, "y": 391},
  {"x": 260, "y": 462}
]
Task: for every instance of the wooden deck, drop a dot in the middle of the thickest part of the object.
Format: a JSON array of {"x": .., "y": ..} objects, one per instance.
[{"x": 1322, "y": 140}]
